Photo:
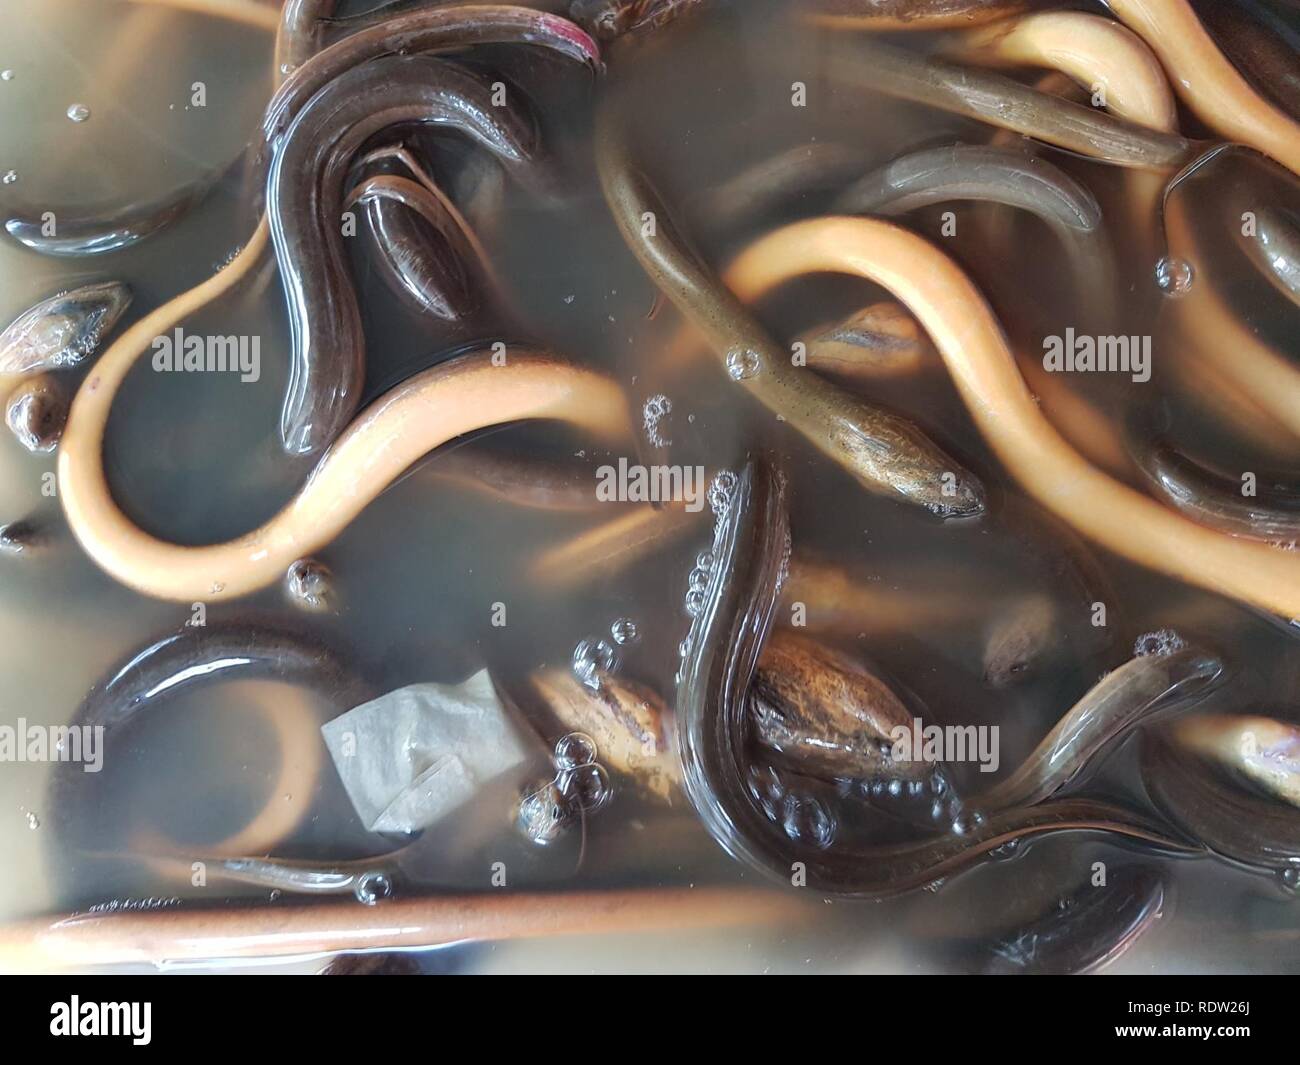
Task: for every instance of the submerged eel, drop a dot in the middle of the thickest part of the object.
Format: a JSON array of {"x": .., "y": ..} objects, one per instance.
[
  {"x": 750, "y": 545},
  {"x": 1231, "y": 820},
  {"x": 972, "y": 346},
  {"x": 305, "y": 198},
  {"x": 1004, "y": 102},
  {"x": 428, "y": 254},
  {"x": 441, "y": 29},
  {"x": 1206, "y": 80},
  {"x": 201, "y": 656},
  {"x": 1216, "y": 499},
  {"x": 455, "y": 397},
  {"x": 993, "y": 174},
  {"x": 890, "y": 15},
  {"x": 1260, "y": 43},
  {"x": 1085, "y": 933},
  {"x": 884, "y": 452},
  {"x": 95, "y": 234},
  {"x": 1144, "y": 688},
  {"x": 451, "y": 28}
]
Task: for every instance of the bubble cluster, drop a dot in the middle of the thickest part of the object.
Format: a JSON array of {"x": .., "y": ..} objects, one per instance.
[
  {"x": 1160, "y": 642},
  {"x": 656, "y": 409},
  {"x": 78, "y": 112},
  {"x": 581, "y": 786},
  {"x": 721, "y": 490}
]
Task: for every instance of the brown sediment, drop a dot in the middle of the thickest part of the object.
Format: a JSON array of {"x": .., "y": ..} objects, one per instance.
[
  {"x": 182, "y": 934},
  {"x": 466, "y": 393},
  {"x": 971, "y": 344}
]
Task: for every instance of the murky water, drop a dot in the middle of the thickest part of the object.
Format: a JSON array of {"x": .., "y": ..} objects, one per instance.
[{"x": 98, "y": 112}]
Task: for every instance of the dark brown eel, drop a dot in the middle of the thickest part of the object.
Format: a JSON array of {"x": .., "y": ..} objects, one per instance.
[
  {"x": 1231, "y": 819},
  {"x": 1084, "y": 933},
  {"x": 428, "y": 30},
  {"x": 148, "y": 678},
  {"x": 1261, "y": 44},
  {"x": 1215, "y": 498},
  {"x": 913, "y": 14},
  {"x": 883, "y": 451},
  {"x": 305, "y": 195},
  {"x": 750, "y": 548},
  {"x": 868, "y": 63},
  {"x": 423, "y": 247}
]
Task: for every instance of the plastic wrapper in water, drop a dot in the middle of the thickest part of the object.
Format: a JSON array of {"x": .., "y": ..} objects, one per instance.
[{"x": 414, "y": 755}]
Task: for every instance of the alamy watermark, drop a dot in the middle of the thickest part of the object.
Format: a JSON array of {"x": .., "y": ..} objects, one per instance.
[
  {"x": 632, "y": 483},
  {"x": 919, "y": 742},
  {"x": 180, "y": 353},
  {"x": 1078, "y": 353},
  {"x": 53, "y": 743}
]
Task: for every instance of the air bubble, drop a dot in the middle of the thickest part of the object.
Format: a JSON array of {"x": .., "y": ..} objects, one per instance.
[
  {"x": 695, "y": 603},
  {"x": 586, "y": 787},
  {"x": 624, "y": 631},
  {"x": 742, "y": 364},
  {"x": 574, "y": 749},
  {"x": 372, "y": 887},
  {"x": 10, "y": 177},
  {"x": 78, "y": 112},
  {"x": 592, "y": 659},
  {"x": 6, "y": 75},
  {"x": 33, "y": 822},
  {"x": 1174, "y": 276},
  {"x": 544, "y": 814},
  {"x": 806, "y": 820}
]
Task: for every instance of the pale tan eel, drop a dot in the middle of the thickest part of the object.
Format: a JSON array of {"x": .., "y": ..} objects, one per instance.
[{"x": 970, "y": 341}]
